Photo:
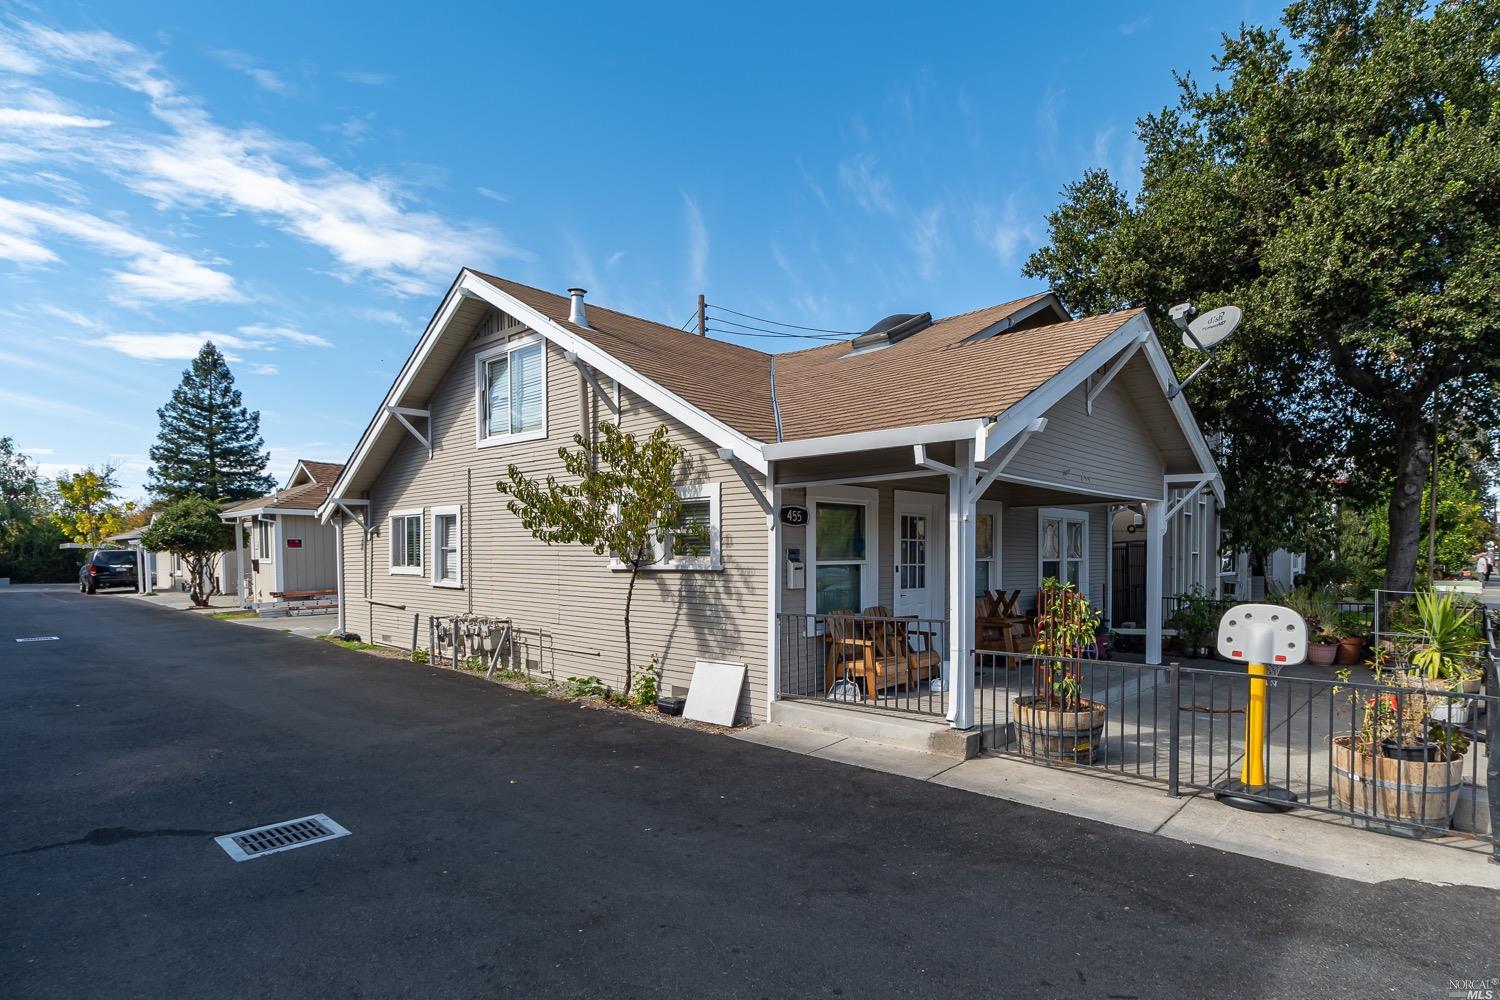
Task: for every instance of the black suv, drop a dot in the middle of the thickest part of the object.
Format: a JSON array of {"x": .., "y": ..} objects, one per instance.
[{"x": 107, "y": 568}]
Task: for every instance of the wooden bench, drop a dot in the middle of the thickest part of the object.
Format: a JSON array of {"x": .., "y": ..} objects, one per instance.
[{"x": 303, "y": 595}]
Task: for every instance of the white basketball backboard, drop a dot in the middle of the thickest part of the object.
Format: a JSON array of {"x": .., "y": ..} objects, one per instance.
[{"x": 1263, "y": 633}]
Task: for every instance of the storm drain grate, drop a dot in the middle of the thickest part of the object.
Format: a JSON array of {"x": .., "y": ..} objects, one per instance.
[{"x": 278, "y": 837}]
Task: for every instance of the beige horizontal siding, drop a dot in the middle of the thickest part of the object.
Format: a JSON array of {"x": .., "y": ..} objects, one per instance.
[{"x": 565, "y": 601}]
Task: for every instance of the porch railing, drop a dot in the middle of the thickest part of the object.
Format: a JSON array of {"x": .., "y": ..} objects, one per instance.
[
  {"x": 1184, "y": 728},
  {"x": 876, "y": 661}
]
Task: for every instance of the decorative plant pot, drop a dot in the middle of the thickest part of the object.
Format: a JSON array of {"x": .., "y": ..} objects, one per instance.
[
  {"x": 1321, "y": 654},
  {"x": 1454, "y": 711},
  {"x": 1426, "y": 752},
  {"x": 1423, "y": 793},
  {"x": 1048, "y": 732},
  {"x": 1351, "y": 650}
]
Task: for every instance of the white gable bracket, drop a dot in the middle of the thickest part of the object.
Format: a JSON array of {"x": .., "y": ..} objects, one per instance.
[
  {"x": 756, "y": 493},
  {"x": 344, "y": 505},
  {"x": 588, "y": 376},
  {"x": 1035, "y": 427},
  {"x": 1095, "y": 388},
  {"x": 402, "y": 412},
  {"x": 1198, "y": 485},
  {"x": 919, "y": 452}
]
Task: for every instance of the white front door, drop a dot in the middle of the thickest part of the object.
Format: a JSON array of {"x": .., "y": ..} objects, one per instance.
[{"x": 920, "y": 528}]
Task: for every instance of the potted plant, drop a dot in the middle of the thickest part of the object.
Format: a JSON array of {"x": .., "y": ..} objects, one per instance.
[
  {"x": 1350, "y": 629},
  {"x": 1195, "y": 620},
  {"x": 1445, "y": 657},
  {"x": 1400, "y": 766},
  {"x": 1056, "y": 722},
  {"x": 1319, "y": 612}
]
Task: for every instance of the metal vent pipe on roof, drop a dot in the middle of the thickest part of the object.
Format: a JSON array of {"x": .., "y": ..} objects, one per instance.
[{"x": 576, "y": 314}]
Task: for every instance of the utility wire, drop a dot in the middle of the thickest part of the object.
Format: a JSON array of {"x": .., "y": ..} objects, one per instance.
[
  {"x": 778, "y": 333},
  {"x": 777, "y": 322},
  {"x": 787, "y": 336}
]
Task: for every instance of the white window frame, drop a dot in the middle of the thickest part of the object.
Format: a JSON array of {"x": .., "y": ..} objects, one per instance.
[
  {"x": 713, "y": 561},
  {"x": 1064, "y": 514},
  {"x": 456, "y": 512},
  {"x": 390, "y": 522},
  {"x": 869, "y": 576},
  {"x": 997, "y": 510},
  {"x": 482, "y": 437},
  {"x": 264, "y": 547}
]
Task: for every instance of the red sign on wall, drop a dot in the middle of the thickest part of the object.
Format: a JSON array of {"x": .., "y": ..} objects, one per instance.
[{"x": 294, "y": 543}]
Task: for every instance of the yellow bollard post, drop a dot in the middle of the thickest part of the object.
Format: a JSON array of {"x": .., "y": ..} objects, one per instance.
[{"x": 1253, "y": 773}]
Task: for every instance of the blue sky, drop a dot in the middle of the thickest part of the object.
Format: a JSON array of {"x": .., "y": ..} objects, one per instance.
[{"x": 300, "y": 182}]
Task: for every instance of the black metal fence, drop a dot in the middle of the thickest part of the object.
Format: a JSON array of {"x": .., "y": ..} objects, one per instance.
[
  {"x": 878, "y": 661},
  {"x": 1404, "y": 757}
]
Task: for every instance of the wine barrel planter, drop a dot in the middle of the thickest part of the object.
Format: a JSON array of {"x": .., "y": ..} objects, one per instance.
[
  {"x": 1384, "y": 788},
  {"x": 1068, "y": 737}
]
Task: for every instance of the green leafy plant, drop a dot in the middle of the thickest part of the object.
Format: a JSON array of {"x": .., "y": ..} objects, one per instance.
[
  {"x": 1317, "y": 609},
  {"x": 1196, "y": 619},
  {"x": 1065, "y": 626},
  {"x": 1449, "y": 638},
  {"x": 647, "y": 685},
  {"x": 585, "y": 687},
  {"x": 621, "y": 501},
  {"x": 420, "y": 655}
]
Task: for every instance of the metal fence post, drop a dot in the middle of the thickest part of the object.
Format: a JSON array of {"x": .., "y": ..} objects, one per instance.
[
  {"x": 1174, "y": 728},
  {"x": 1492, "y": 723}
]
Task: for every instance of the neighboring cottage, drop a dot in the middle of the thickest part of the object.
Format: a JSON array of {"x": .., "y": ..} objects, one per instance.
[
  {"x": 292, "y": 565},
  {"x": 904, "y": 471}
]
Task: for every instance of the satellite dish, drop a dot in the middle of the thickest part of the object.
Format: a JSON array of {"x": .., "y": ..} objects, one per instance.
[{"x": 1211, "y": 328}]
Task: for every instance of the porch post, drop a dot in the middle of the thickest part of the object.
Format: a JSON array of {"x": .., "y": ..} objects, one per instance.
[
  {"x": 239, "y": 560},
  {"x": 773, "y": 599},
  {"x": 961, "y": 540},
  {"x": 1156, "y": 529},
  {"x": 338, "y": 568}
]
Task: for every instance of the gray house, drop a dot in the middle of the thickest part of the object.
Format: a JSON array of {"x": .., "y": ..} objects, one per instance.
[
  {"x": 285, "y": 552},
  {"x": 901, "y": 473}
]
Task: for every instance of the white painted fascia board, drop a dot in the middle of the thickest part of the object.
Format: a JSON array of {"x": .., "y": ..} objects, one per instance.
[
  {"x": 1051, "y": 392},
  {"x": 1162, "y": 369},
  {"x": 896, "y": 437},
  {"x": 439, "y": 322},
  {"x": 716, "y": 431}
]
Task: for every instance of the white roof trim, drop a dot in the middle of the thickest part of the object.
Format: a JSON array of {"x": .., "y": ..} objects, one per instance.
[
  {"x": 469, "y": 286},
  {"x": 1136, "y": 330},
  {"x": 895, "y": 437}
]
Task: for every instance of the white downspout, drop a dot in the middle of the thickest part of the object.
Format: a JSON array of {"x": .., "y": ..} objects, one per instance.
[
  {"x": 1156, "y": 529},
  {"x": 773, "y": 600},
  {"x": 338, "y": 568},
  {"x": 241, "y": 565}
]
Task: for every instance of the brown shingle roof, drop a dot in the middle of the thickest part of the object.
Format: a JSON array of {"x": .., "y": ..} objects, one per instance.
[
  {"x": 308, "y": 496},
  {"x": 325, "y": 473},
  {"x": 929, "y": 377}
]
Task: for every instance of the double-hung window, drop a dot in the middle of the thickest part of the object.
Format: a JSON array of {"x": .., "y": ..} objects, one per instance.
[
  {"x": 406, "y": 541},
  {"x": 265, "y": 538},
  {"x": 986, "y": 547},
  {"x": 843, "y": 542},
  {"x": 1064, "y": 547},
  {"x": 512, "y": 391},
  {"x": 692, "y": 541},
  {"x": 447, "y": 534}
]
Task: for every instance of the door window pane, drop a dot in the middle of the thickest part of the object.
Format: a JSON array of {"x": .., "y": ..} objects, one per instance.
[
  {"x": 841, "y": 531},
  {"x": 838, "y": 588},
  {"x": 913, "y": 552}
]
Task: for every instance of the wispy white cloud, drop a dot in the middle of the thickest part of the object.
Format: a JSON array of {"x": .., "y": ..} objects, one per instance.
[
  {"x": 614, "y": 258},
  {"x": 503, "y": 199},
  {"x": 365, "y": 78},
  {"x": 926, "y": 238},
  {"x": 245, "y": 63},
  {"x": 1049, "y": 118},
  {"x": 1004, "y": 232},
  {"x": 261, "y": 332},
  {"x": 48, "y": 405},
  {"x": 29, "y": 118},
  {"x": 151, "y": 272},
  {"x": 184, "y": 346},
  {"x": 697, "y": 241},
  {"x": 259, "y": 369},
  {"x": 365, "y": 222},
  {"x": 1134, "y": 24},
  {"x": 870, "y": 188},
  {"x": 812, "y": 184},
  {"x": 15, "y": 60}
]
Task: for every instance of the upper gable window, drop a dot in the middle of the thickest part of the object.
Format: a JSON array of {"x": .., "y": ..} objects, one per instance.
[{"x": 512, "y": 391}]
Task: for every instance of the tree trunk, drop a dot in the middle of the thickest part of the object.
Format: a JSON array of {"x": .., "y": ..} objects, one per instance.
[
  {"x": 635, "y": 571},
  {"x": 1413, "y": 455}
]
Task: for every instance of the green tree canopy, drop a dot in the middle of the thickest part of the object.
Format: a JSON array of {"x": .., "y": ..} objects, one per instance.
[
  {"x": 621, "y": 499},
  {"x": 87, "y": 508},
  {"x": 22, "y": 495},
  {"x": 209, "y": 444},
  {"x": 191, "y": 528},
  {"x": 1342, "y": 184}
]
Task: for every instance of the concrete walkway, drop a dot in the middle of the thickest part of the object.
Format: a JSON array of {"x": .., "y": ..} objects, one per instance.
[{"x": 1312, "y": 841}]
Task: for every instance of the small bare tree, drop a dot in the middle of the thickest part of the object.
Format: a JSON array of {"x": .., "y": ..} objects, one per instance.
[{"x": 624, "y": 504}]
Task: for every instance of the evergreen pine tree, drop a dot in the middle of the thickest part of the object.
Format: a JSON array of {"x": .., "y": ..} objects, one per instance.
[{"x": 209, "y": 444}]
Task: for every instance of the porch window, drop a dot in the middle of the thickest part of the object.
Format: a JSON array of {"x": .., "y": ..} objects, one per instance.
[
  {"x": 1064, "y": 547},
  {"x": 406, "y": 541},
  {"x": 512, "y": 400},
  {"x": 447, "y": 536},
  {"x": 841, "y": 555},
  {"x": 986, "y": 548}
]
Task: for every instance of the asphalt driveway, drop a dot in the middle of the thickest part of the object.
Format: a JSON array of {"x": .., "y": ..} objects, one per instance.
[{"x": 506, "y": 845}]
